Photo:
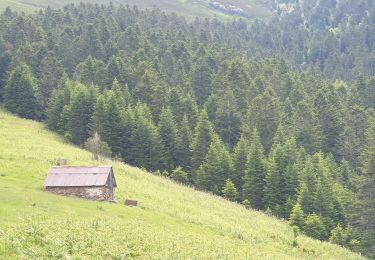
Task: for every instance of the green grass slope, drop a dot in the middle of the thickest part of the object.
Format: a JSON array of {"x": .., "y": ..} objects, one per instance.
[
  {"x": 189, "y": 8},
  {"x": 171, "y": 221}
]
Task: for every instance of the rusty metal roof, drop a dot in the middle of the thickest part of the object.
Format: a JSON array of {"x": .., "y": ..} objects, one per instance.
[{"x": 78, "y": 176}]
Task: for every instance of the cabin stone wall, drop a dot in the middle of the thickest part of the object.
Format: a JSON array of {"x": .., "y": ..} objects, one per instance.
[{"x": 93, "y": 193}]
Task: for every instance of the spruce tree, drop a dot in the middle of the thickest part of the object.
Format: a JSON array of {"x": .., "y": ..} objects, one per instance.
[
  {"x": 273, "y": 183},
  {"x": 230, "y": 191},
  {"x": 254, "y": 179},
  {"x": 183, "y": 149},
  {"x": 80, "y": 113},
  {"x": 113, "y": 124},
  {"x": 306, "y": 198},
  {"x": 365, "y": 216},
  {"x": 179, "y": 175},
  {"x": 216, "y": 167},
  {"x": 60, "y": 99},
  {"x": 297, "y": 217},
  {"x": 203, "y": 135},
  {"x": 314, "y": 227},
  {"x": 51, "y": 72},
  {"x": 98, "y": 120},
  {"x": 169, "y": 138},
  {"x": 264, "y": 114},
  {"x": 145, "y": 146},
  {"x": 227, "y": 118},
  {"x": 20, "y": 95},
  {"x": 240, "y": 162},
  {"x": 307, "y": 129}
]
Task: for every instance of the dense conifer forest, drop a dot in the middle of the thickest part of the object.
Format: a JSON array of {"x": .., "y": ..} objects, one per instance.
[{"x": 278, "y": 115}]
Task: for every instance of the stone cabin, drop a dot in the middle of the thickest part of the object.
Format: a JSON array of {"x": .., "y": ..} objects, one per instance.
[{"x": 95, "y": 183}]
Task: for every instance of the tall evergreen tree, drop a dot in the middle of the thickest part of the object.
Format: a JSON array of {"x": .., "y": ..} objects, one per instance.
[
  {"x": 307, "y": 128},
  {"x": 240, "y": 162},
  {"x": 230, "y": 191},
  {"x": 113, "y": 123},
  {"x": 169, "y": 137},
  {"x": 203, "y": 135},
  {"x": 365, "y": 218},
  {"x": 216, "y": 167},
  {"x": 20, "y": 95},
  {"x": 227, "y": 118},
  {"x": 80, "y": 112},
  {"x": 146, "y": 149},
  {"x": 297, "y": 217},
  {"x": 264, "y": 114},
  {"x": 60, "y": 99},
  {"x": 185, "y": 137},
  {"x": 254, "y": 179},
  {"x": 51, "y": 72}
]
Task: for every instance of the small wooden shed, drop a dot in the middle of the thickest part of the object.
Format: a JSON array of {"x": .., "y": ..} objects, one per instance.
[{"x": 96, "y": 183}]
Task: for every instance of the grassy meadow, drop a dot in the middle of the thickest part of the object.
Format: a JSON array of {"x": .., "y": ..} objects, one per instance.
[
  {"x": 171, "y": 222},
  {"x": 188, "y": 8}
]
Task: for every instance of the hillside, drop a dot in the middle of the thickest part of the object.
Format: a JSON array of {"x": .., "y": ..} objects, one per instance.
[
  {"x": 190, "y": 8},
  {"x": 171, "y": 220}
]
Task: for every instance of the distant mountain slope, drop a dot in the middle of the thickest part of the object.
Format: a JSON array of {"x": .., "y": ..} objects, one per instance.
[
  {"x": 190, "y": 8},
  {"x": 170, "y": 221}
]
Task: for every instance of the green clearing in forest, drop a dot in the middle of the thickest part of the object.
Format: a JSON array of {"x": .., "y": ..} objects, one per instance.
[{"x": 189, "y": 8}]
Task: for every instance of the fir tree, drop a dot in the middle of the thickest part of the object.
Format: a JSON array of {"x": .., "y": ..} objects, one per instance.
[
  {"x": 60, "y": 99},
  {"x": 297, "y": 217},
  {"x": 203, "y": 135},
  {"x": 146, "y": 149},
  {"x": 179, "y": 175},
  {"x": 230, "y": 191},
  {"x": 183, "y": 149},
  {"x": 20, "y": 93},
  {"x": 240, "y": 162},
  {"x": 365, "y": 219},
  {"x": 113, "y": 124},
  {"x": 216, "y": 167},
  {"x": 169, "y": 137},
  {"x": 314, "y": 227},
  {"x": 254, "y": 179},
  {"x": 80, "y": 112}
]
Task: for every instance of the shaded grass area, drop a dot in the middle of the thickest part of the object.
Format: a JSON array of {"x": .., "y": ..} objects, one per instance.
[
  {"x": 171, "y": 221},
  {"x": 17, "y": 5}
]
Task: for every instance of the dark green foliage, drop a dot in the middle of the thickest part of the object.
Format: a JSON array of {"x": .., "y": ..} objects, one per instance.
[
  {"x": 183, "y": 150},
  {"x": 79, "y": 113},
  {"x": 169, "y": 137},
  {"x": 230, "y": 191},
  {"x": 307, "y": 128},
  {"x": 145, "y": 145},
  {"x": 365, "y": 219},
  {"x": 254, "y": 179},
  {"x": 297, "y": 217},
  {"x": 314, "y": 227},
  {"x": 343, "y": 237},
  {"x": 216, "y": 168},
  {"x": 240, "y": 162},
  {"x": 20, "y": 95},
  {"x": 227, "y": 117},
  {"x": 179, "y": 175},
  {"x": 113, "y": 123},
  {"x": 51, "y": 72},
  {"x": 203, "y": 136},
  {"x": 264, "y": 114}
]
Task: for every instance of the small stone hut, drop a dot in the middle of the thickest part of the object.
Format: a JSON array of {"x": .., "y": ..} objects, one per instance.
[{"x": 96, "y": 183}]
